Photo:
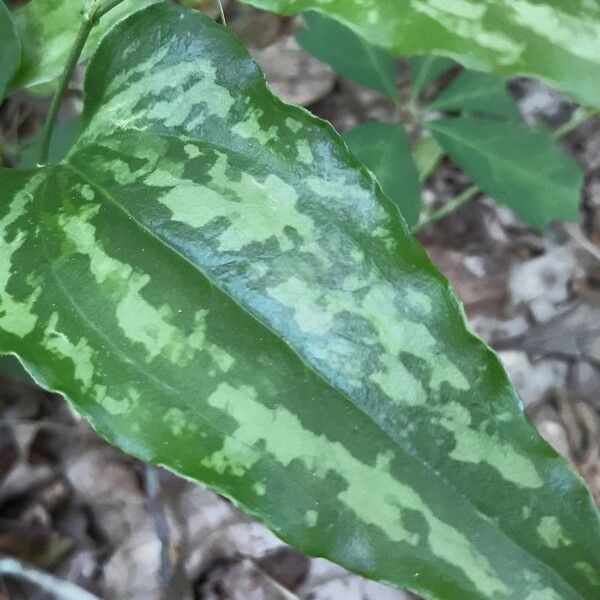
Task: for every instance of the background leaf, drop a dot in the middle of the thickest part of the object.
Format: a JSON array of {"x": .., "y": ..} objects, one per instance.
[
  {"x": 478, "y": 94},
  {"x": 556, "y": 40},
  {"x": 424, "y": 70},
  {"x": 48, "y": 29},
  {"x": 517, "y": 166},
  {"x": 216, "y": 283},
  {"x": 11, "y": 49},
  {"x": 386, "y": 150},
  {"x": 427, "y": 155},
  {"x": 348, "y": 54}
]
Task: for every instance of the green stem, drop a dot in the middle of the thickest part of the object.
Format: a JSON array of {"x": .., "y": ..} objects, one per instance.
[
  {"x": 96, "y": 12},
  {"x": 580, "y": 116},
  {"x": 449, "y": 207}
]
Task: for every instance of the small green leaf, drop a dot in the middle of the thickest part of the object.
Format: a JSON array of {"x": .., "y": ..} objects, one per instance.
[
  {"x": 479, "y": 94},
  {"x": 348, "y": 54},
  {"x": 517, "y": 166},
  {"x": 553, "y": 40},
  {"x": 424, "y": 70},
  {"x": 11, "y": 49},
  {"x": 217, "y": 284},
  {"x": 386, "y": 150},
  {"x": 48, "y": 29}
]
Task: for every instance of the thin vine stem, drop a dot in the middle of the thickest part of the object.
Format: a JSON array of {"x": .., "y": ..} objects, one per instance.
[
  {"x": 223, "y": 20},
  {"x": 90, "y": 19},
  {"x": 580, "y": 116},
  {"x": 448, "y": 208}
]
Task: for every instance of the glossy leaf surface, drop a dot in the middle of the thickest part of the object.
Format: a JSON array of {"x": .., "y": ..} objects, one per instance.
[
  {"x": 386, "y": 150},
  {"x": 10, "y": 51},
  {"x": 554, "y": 40},
  {"x": 348, "y": 54},
  {"x": 517, "y": 166},
  {"x": 477, "y": 93},
  {"x": 48, "y": 29},
  {"x": 218, "y": 286}
]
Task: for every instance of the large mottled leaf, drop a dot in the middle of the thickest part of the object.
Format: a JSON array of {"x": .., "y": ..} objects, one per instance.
[
  {"x": 386, "y": 150},
  {"x": 10, "y": 56},
  {"x": 554, "y": 40},
  {"x": 218, "y": 286},
  {"x": 477, "y": 93},
  {"x": 517, "y": 166},
  {"x": 48, "y": 29},
  {"x": 348, "y": 54}
]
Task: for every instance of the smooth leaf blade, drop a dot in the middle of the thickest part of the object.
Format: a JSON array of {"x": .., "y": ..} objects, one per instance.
[
  {"x": 386, "y": 150},
  {"x": 348, "y": 54},
  {"x": 11, "y": 49},
  {"x": 48, "y": 29},
  {"x": 477, "y": 93},
  {"x": 217, "y": 284},
  {"x": 517, "y": 166},
  {"x": 555, "y": 40}
]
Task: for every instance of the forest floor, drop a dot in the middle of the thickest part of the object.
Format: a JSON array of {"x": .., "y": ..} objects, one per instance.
[{"x": 76, "y": 507}]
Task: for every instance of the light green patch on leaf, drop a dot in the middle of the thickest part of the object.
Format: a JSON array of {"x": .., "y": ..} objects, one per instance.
[{"x": 552, "y": 533}]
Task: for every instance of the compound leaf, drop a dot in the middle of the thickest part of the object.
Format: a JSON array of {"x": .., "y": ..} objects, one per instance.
[
  {"x": 386, "y": 150},
  {"x": 554, "y": 40},
  {"x": 218, "y": 286},
  {"x": 519, "y": 167}
]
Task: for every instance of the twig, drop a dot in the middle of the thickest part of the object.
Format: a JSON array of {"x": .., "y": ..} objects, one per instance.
[
  {"x": 172, "y": 574},
  {"x": 156, "y": 509},
  {"x": 63, "y": 590}
]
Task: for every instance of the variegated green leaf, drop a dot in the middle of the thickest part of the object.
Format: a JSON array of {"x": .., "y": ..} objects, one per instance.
[
  {"x": 218, "y": 286},
  {"x": 48, "y": 29},
  {"x": 554, "y": 40}
]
